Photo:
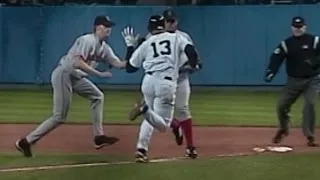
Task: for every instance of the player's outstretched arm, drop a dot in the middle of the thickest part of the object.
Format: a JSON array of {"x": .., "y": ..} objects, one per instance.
[
  {"x": 112, "y": 58},
  {"x": 80, "y": 64},
  {"x": 118, "y": 63}
]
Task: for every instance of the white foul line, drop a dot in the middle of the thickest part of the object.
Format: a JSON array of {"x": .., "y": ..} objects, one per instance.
[
  {"x": 65, "y": 166},
  {"x": 82, "y": 165}
]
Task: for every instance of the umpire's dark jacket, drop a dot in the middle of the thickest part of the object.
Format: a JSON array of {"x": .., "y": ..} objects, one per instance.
[{"x": 302, "y": 55}]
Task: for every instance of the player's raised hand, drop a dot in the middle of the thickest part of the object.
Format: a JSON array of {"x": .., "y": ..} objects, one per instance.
[
  {"x": 129, "y": 37},
  {"x": 105, "y": 74}
]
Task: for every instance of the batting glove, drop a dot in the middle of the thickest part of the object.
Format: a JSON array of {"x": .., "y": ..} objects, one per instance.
[
  {"x": 269, "y": 76},
  {"x": 129, "y": 37}
]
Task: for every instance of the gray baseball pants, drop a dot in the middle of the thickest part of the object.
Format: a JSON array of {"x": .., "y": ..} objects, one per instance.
[
  {"x": 64, "y": 84},
  {"x": 294, "y": 87}
]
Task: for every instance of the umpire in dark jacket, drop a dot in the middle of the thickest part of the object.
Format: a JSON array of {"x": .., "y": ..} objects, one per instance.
[{"x": 301, "y": 53}]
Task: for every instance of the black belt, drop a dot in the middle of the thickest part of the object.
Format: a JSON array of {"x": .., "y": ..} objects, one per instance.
[{"x": 166, "y": 77}]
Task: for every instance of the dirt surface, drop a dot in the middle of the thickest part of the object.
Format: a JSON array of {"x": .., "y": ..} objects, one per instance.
[{"x": 210, "y": 141}]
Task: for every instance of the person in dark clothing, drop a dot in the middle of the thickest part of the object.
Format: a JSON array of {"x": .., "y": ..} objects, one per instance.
[{"x": 302, "y": 54}]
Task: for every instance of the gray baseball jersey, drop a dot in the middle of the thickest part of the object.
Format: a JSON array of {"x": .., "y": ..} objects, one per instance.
[
  {"x": 66, "y": 78},
  {"x": 90, "y": 48},
  {"x": 183, "y": 56}
]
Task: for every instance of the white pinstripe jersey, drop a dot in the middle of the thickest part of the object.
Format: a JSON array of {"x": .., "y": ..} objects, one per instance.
[
  {"x": 160, "y": 53},
  {"x": 183, "y": 56}
]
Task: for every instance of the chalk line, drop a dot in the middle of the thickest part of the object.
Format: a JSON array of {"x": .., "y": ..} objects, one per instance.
[{"x": 65, "y": 166}]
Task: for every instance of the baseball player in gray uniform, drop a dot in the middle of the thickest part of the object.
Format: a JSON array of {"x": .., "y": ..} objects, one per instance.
[
  {"x": 182, "y": 112},
  {"x": 70, "y": 75},
  {"x": 159, "y": 56}
]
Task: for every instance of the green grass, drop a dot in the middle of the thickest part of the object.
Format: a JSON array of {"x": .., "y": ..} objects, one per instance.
[
  {"x": 208, "y": 107},
  {"x": 266, "y": 167},
  {"x": 15, "y": 160}
]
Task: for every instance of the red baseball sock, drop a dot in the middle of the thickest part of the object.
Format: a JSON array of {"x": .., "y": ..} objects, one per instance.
[
  {"x": 174, "y": 123},
  {"x": 186, "y": 127}
]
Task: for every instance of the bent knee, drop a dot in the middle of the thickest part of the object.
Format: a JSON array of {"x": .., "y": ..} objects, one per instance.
[{"x": 98, "y": 96}]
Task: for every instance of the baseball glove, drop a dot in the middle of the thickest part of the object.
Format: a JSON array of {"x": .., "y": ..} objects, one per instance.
[{"x": 187, "y": 68}]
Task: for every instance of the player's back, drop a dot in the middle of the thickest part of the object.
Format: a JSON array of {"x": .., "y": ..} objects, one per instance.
[{"x": 162, "y": 53}]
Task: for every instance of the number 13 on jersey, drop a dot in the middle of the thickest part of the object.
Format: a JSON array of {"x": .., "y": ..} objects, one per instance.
[{"x": 161, "y": 48}]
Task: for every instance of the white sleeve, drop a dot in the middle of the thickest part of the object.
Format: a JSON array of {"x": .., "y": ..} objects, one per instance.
[
  {"x": 187, "y": 36},
  {"x": 182, "y": 42},
  {"x": 138, "y": 56},
  {"x": 108, "y": 53}
]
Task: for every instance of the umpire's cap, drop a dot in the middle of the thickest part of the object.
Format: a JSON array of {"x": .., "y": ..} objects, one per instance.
[
  {"x": 103, "y": 20},
  {"x": 169, "y": 15},
  {"x": 156, "y": 22},
  {"x": 297, "y": 22}
]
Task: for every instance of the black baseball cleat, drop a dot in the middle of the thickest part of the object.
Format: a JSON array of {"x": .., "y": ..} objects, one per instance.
[
  {"x": 178, "y": 135},
  {"x": 139, "y": 108},
  {"x": 191, "y": 152},
  {"x": 103, "y": 140},
  {"x": 311, "y": 142},
  {"x": 24, "y": 147},
  {"x": 280, "y": 135},
  {"x": 141, "y": 156}
]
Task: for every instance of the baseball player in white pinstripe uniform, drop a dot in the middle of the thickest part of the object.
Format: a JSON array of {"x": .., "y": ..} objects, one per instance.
[{"x": 181, "y": 104}]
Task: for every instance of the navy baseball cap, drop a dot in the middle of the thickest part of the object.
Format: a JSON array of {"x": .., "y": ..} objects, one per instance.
[
  {"x": 297, "y": 22},
  {"x": 169, "y": 14},
  {"x": 156, "y": 22},
  {"x": 103, "y": 20}
]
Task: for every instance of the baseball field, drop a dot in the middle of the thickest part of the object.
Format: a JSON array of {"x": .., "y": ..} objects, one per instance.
[{"x": 228, "y": 124}]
